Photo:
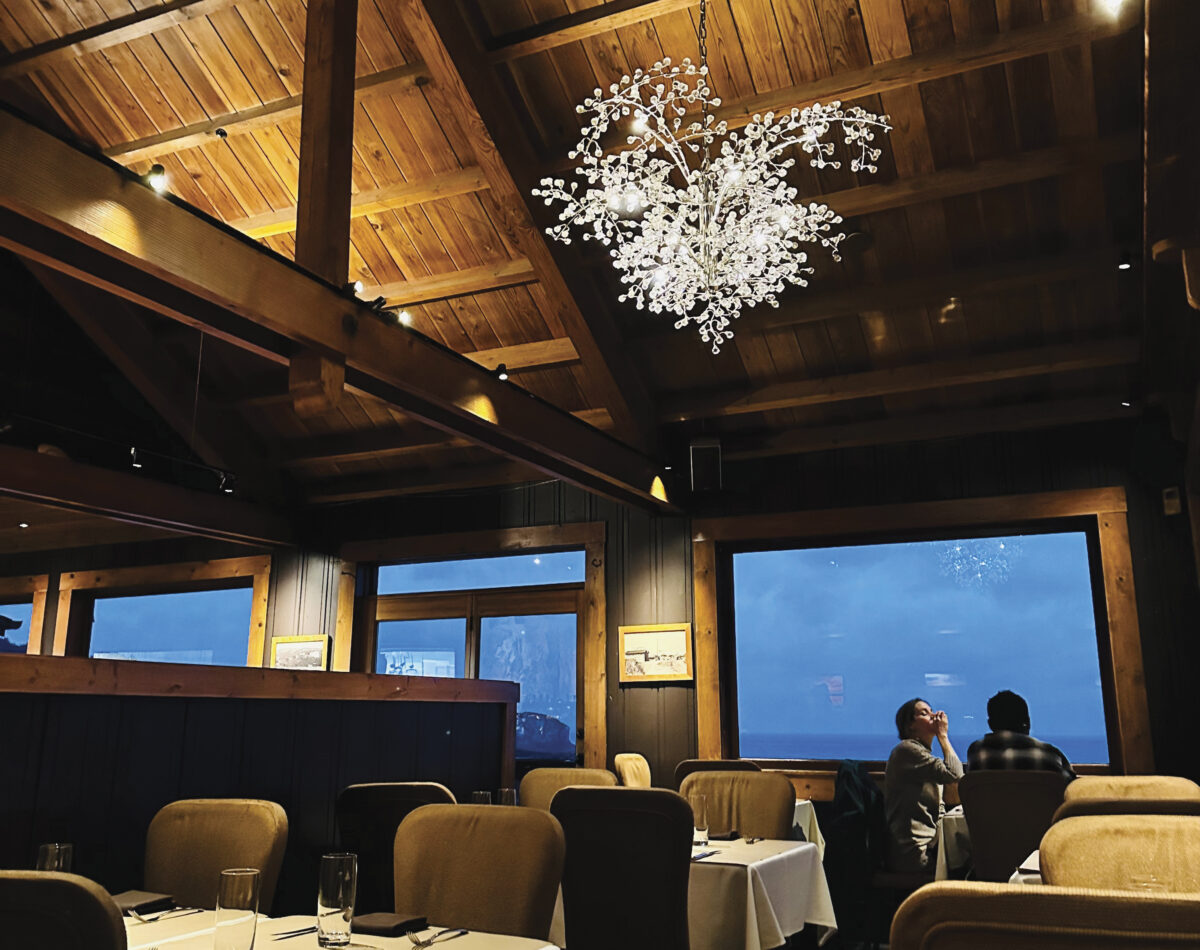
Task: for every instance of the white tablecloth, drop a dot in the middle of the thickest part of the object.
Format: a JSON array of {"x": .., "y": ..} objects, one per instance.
[
  {"x": 1030, "y": 871},
  {"x": 954, "y": 844},
  {"x": 195, "y": 932},
  {"x": 750, "y": 896},
  {"x": 805, "y": 827}
]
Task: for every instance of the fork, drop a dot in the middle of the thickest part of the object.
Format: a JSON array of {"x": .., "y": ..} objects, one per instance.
[
  {"x": 442, "y": 935},
  {"x": 163, "y": 914}
]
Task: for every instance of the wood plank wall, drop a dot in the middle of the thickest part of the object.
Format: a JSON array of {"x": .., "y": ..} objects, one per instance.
[{"x": 93, "y": 770}]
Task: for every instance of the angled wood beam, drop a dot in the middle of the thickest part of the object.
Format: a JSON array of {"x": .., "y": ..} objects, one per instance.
[
  {"x": 417, "y": 482},
  {"x": 468, "y": 86},
  {"x": 463, "y": 182},
  {"x": 83, "y": 217},
  {"x": 459, "y": 283},
  {"x": 111, "y": 33},
  {"x": 580, "y": 25},
  {"x": 63, "y": 483},
  {"x": 390, "y": 442},
  {"x": 123, "y": 335},
  {"x": 538, "y": 355},
  {"x": 260, "y": 117},
  {"x": 1042, "y": 361},
  {"x": 935, "y": 425}
]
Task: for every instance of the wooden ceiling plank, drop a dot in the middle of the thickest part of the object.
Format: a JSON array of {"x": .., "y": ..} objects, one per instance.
[
  {"x": 1061, "y": 358},
  {"x": 80, "y": 216},
  {"x": 580, "y": 25},
  {"x": 103, "y": 35},
  {"x": 256, "y": 117},
  {"x": 472, "y": 280},
  {"x": 444, "y": 40}
]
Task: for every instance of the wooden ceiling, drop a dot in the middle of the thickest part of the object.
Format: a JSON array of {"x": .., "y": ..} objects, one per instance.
[{"x": 980, "y": 291}]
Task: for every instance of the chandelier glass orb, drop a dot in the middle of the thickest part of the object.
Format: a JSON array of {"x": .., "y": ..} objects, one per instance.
[{"x": 700, "y": 221}]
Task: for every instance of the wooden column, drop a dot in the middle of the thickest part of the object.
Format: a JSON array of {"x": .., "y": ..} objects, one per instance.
[{"x": 316, "y": 380}]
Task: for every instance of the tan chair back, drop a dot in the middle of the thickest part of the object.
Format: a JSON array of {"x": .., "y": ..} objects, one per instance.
[
  {"x": 633, "y": 769},
  {"x": 1007, "y": 813},
  {"x": 539, "y": 786},
  {"x": 965, "y": 915},
  {"x": 1132, "y": 786},
  {"x": 190, "y": 842},
  {"x": 53, "y": 911},
  {"x": 494, "y": 868},
  {"x": 1127, "y": 806},
  {"x": 688, "y": 766},
  {"x": 758, "y": 804},
  {"x": 1144, "y": 853}
]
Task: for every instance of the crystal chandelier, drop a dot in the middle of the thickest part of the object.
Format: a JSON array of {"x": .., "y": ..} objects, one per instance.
[{"x": 700, "y": 221}]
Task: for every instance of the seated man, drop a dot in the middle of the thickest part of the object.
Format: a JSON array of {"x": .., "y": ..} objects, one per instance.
[{"x": 1009, "y": 745}]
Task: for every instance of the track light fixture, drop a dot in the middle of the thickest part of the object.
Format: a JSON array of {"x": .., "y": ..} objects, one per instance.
[
  {"x": 404, "y": 317},
  {"x": 228, "y": 482},
  {"x": 378, "y": 303},
  {"x": 1126, "y": 262},
  {"x": 133, "y": 457},
  {"x": 353, "y": 289},
  {"x": 502, "y": 372},
  {"x": 156, "y": 178}
]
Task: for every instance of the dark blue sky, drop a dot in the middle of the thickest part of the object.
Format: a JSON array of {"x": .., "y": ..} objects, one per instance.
[
  {"x": 192, "y": 623},
  {"x": 560, "y": 567},
  {"x": 833, "y": 640}
]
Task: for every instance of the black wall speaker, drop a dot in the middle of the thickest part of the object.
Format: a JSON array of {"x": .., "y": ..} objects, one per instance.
[{"x": 706, "y": 464}]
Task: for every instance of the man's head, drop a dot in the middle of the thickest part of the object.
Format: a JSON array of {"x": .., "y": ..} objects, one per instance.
[{"x": 1008, "y": 712}]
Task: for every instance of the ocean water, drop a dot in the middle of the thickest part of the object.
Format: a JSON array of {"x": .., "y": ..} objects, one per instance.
[{"x": 1079, "y": 749}]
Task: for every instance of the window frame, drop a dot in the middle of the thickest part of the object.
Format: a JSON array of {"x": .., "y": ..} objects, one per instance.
[
  {"x": 31, "y": 589},
  {"x": 1126, "y": 710},
  {"x": 78, "y": 590}
]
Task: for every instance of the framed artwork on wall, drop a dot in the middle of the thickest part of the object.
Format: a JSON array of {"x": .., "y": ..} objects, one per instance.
[
  {"x": 656, "y": 653},
  {"x": 300, "y": 653}
]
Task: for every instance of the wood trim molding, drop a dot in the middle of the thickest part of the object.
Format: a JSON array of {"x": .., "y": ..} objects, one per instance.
[
  {"x": 35, "y": 587},
  {"x": 1130, "y": 741},
  {"x": 595, "y": 659},
  {"x": 343, "y": 631}
]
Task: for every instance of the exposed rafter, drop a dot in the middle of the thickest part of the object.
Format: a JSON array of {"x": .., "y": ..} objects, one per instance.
[
  {"x": 418, "y": 482},
  {"x": 1061, "y": 358},
  {"x": 538, "y": 355},
  {"x": 470, "y": 280},
  {"x": 260, "y": 117},
  {"x": 80, "y": 216}
]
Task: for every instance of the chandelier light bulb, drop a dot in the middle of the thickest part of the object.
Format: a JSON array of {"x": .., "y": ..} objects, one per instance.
[{"x": 700, "y": 221}]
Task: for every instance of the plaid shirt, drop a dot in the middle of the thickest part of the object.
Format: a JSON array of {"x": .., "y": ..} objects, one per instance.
[{"x": 1015, "y": 750}]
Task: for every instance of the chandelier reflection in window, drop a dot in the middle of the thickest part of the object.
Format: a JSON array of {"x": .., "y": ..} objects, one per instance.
[{"x": 700, "y": 221}]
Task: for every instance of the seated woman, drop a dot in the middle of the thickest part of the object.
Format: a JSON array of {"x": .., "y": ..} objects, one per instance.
[{"x": 913, "y": 785}]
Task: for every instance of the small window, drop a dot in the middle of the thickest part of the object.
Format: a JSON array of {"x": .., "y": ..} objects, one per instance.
[
  {"x": 830, "y": 641},
  {"x": 14, "y": 627},
  {"x": 434, "y": 647},
  {"x": 522, "y": 570},
  {"x": 201, "y": 627}
]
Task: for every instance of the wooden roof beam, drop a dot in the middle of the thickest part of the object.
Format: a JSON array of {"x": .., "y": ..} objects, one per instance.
[
  {"x": 580, "y": 25},
  {"x": 81, "y": 216},
  {"x": 260, "y": 117},
  {"x": 1042, "y": 361},
  {"x": 418, "y": 482},
  {"x": 110, "y": 33},
  {"x": 468, "y": 90},
  {"x": 459, "y": 283},
  {"x": 926, "y": 427},
  {"x": 466, "y": 181}
]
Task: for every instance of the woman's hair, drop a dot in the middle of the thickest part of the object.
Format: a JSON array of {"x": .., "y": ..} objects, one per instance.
[{"x": 905, "y": 716}]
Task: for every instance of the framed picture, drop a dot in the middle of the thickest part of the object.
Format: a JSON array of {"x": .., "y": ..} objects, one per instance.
[
  {"x": 656, "y": 652},
  {"x": 300, "y": 653}
]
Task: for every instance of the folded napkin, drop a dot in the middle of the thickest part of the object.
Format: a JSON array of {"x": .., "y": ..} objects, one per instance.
[
  {"x": 387, "y": 925},
  {"x": 143, "y": 902}
]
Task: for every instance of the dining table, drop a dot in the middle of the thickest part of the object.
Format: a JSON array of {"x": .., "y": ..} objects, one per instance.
[
  {"x": 195, "y": 932},
  {"x": 749, "y": 895},
  {"x": 805, "y": 827}
]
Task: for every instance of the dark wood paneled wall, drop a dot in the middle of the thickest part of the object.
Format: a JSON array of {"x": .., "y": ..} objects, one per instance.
[{"x": 93, "y": 770}]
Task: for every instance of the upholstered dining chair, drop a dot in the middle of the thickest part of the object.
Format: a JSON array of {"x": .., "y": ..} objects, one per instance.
[
  {"x": 627, "y": 848},
  {"x": 54, "y": 911},
  {"x": 758, "y": 804},
  {"x": 1007, "y": 812},
  {"x": 1127, "y": 806},
  {"x": 688, "y": 766},
  {"x": 632, "y": 769},
  {"x": 539, "y": 786},
  {"x": 367, "y": 818},
  {"x": 494, "y": 868},
  {"x": 190, "y": 842},
  {"x": 1132, "y": 786},
  {"x": 969, "y": 915},
  {"x": 1149, "y": 853}
]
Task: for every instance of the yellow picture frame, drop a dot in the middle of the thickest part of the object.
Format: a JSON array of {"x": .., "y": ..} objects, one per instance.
[
  {"x": 656, "y": 653},
  {"x": 309, "y": 652}
]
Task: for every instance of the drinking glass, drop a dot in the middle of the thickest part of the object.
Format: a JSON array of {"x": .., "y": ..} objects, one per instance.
[
  {"x": 508, "y": 796},
  {"x": 699, "y": 820},
  {"x": 335, "y": 899},
  {"x": 237, "y": 909},
  {"x": 55, "y": 856},
  {"x": 481, "y": 798}
]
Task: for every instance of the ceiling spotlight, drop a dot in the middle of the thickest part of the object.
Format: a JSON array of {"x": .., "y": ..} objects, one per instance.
[
  {"x": 502, "y": 372},
  {"x": 156, "y": 178},
  {"x": 133, "y": 457},
  {"x": 1126, "y": 262},
  {"x": 354, "y": 288},
  {"x": 227, "y": 483},
  {"x": 403, "y": 316},
  {"x": 1112, "y": 7},
  {"x": 378, "y": 303},
  {"x": 23, "y": 524}
]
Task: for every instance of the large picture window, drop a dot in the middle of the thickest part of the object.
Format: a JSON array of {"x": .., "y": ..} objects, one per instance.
[{"x": 831, "y": 640}]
